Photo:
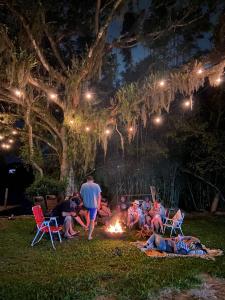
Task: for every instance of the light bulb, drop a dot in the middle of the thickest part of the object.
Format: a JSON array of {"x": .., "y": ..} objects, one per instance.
[
  {"x": 11, "y": 141},
  {"x": 158, "y": 120},
  {"x": 18, "y": 93},
  {"x": 52, "y": 95},
  {"x": 162, "y": 83},
  {"x": 88, "y": 95},
  {"x": 1, "y": 137},
  {"x": 200, "y": 71},
  {"x": 107, "y": 131},
  {"x": 131, "y": 129},
  {"x": 87, "y": 129},
  {"x": 71, "y": 121},
  {"x": 14, "y": 132}
]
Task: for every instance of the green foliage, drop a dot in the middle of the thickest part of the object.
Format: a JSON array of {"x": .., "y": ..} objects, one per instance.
[
  {"x": 85, "y": 270},
  {"x": 46, "y": 186}
]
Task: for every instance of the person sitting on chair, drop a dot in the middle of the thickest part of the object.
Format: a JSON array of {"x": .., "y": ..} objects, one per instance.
[
  {"x": 104, "y": 210},
  {"x": 133, "y": 214},
  {"x": 66, "y": 211}
]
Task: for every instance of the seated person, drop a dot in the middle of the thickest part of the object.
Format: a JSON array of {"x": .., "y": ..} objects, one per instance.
[
  {"x": 104, "y": 210},
  {"x": 141, "y": 212},
  {"x": 146, "y": 204},
  {"x": 133, "y": 214},
  {"x": 122, "y": 209},
  {"x": 66, "y": 211},
  {"x": 81, "y": 209},
  {"x": 186, "y": 245}
]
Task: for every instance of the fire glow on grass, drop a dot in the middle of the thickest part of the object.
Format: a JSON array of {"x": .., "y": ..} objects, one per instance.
[{"x": 116, "y": 228}]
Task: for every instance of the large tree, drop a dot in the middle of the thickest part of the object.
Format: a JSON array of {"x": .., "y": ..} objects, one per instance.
[{"x": 52, "y": 52}]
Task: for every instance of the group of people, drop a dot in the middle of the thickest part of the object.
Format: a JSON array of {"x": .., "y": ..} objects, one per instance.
[
  {"x": 82, "y": 207},
  {"x": 144, "y": 213}
]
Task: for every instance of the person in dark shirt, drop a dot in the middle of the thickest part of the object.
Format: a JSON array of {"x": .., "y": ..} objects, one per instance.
[{"x": 66, "y": 211}]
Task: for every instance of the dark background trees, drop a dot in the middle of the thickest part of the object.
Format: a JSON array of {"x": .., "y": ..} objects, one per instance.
[{"x": 56, "y": 51}]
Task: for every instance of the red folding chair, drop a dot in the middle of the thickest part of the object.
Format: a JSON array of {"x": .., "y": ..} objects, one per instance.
[{"x": 45, "y": 225}]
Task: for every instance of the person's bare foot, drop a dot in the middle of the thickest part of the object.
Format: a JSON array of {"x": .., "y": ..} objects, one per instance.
[
  {"x": 75, "y": 233},
  {"x": 90, "y": 238},
  {"x": 68, "y": 236}
]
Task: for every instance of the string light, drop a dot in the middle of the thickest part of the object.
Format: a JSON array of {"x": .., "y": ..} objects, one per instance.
[
  {"x": 158, "y": 120},
  {"x": 162, "y": 83},
  {"x": 200, "y": 71},
  {"x": 71, "y": 121},
  {"x": 18, "y": 93},
  {"x": 11, "y": 141},
  {"x": 1, "y": 137},
  {"x": 14, "y": 132},
  {"x": 88, "y": 95},
  {"x": 87, "y": 129},
  {"x": 131, "y": 129},
  {"x": 218, "y": 80},
  {"x": 187, "y": 103},
  {"x": 107, "y": 131},
  {"x": 5, "y": 146},
  {"x": 52, "y": 96}
]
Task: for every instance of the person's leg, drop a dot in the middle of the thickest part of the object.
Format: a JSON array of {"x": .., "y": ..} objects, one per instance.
[
  {"x": 93, "y": 213},
  {"x": 67, "y": 226},
  {"x": 78, "y": 219},
  {"x": 160, "y": 243}
]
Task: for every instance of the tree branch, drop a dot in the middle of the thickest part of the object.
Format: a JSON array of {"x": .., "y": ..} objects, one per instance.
[
  {"x": 55, "y": 49},
  {"x": 37, "y": 49}
]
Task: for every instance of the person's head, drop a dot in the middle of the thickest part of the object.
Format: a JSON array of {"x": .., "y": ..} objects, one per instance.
[
  {"x": 90, "y": 178},
  {"x": 76, "y": 194},
  {"x": 147, "y": 199},
  {"x": 122, "y": 199},
  {"x": 135, "y": 204}
]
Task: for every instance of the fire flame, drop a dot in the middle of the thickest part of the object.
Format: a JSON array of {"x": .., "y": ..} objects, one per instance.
[{"x": 117, "y": 228}]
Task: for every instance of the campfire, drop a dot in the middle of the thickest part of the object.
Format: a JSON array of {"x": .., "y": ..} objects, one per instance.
[{"x": 115, "y": 228}]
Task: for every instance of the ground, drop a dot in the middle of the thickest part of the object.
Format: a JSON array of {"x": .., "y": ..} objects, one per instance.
[{"x": 104, "y": 269}]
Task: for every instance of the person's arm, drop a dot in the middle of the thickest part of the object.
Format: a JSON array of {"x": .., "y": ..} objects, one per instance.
[
  {"x": 188, "y": 238},
  {"x": 99, "y": 201}
]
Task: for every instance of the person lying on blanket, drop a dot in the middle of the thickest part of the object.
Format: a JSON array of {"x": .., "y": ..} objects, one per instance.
[{"x": 186, "y": 245}]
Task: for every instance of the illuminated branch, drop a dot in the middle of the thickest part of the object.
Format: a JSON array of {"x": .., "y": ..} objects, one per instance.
[{"x": 37, "y": 49}]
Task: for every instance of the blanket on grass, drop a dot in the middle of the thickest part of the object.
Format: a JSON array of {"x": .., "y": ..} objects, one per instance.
[{"x": 211, "y": 253}]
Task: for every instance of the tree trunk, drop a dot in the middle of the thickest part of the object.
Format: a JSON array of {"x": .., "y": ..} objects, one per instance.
[
  {"x": 30, "y": 142},
  {"x": 64, "y": 164},
  {"x": 215, "y": 203}
]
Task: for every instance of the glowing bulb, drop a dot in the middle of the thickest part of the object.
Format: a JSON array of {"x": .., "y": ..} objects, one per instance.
[
  {"x": 158, "y": 120},
  {"x": 218, "y": 80},
  {"x": 87, "y": 129},
  {"x": 10, "y": 141},
  {"x": 107, "y": 131},
  {"x": 1, "y": 137},
  {"x": 200, "y": 71},
  {"x": 187, "y": 103},
  {"x": 52, "y": 95},
  {"x": 18, "y": 93},
  {"x": 162, "y": 83},
  {"x": 88, "y": 95},
  {"x": 3, "y": 146},
  {"x": 7, "y": 146},
  {"x": 71, "y": 121},
  {"x": 131, "y": 129},
  {"x": 14, "y": 132}
]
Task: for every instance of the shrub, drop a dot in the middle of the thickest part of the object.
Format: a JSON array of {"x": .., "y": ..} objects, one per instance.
[{"x": 46, "y": 186}]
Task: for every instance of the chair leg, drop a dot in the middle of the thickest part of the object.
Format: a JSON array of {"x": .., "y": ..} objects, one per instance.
[
  {"x": 36, "y": 236},
  {"x": 181, "y": 231},
  {"x": 51, "y": 238},
  {"x": 59, "y": 235},
  {"x": 40, "y": 237}
]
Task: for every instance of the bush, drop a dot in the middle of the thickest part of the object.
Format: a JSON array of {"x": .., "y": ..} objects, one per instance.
[{"x": 46, "y": 186}]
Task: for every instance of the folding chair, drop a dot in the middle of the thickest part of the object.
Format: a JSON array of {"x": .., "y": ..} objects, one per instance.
[
  {"x": 175, "y": 223},
  {"x": 45, "y": 226}
]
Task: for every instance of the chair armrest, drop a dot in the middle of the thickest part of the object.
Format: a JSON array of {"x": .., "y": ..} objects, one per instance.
[
  {"x": 168, "y": 221},
  {"x": 54, "y": 220}
]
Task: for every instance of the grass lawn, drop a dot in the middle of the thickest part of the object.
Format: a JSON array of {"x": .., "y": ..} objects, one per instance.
[{"x": 81, "y": 269}]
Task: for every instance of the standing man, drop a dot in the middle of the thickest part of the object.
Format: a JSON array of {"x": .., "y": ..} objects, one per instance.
[{"x": 91, "y": 194}]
